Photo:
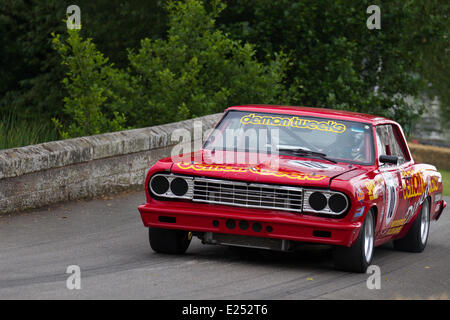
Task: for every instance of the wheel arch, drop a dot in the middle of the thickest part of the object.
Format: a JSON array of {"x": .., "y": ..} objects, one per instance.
[{"x": 374, "y": 209}]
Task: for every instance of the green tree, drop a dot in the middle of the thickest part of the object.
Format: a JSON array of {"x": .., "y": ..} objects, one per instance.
[
  {"x": 202, "y": 65},
  {"x": 337, "y": 62},
  {"x": 429, "y": 33},
  {"x": 198, "y": 70},
  {"x": 93, "y": 103},
  {"x": 30, "y": 70}
]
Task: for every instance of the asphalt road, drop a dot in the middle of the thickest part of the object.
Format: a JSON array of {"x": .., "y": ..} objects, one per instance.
[{"x": 107, "y": 240}]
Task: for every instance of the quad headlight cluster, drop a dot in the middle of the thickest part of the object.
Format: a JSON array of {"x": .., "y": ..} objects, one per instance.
[
  {"x": 324, "y": 202},
  {"x": 314, "y": 201},
  {"x": 170, "y": 186}
]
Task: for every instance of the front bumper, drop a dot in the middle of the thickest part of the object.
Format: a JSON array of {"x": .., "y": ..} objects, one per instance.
[{"x": 258, "y": 222}]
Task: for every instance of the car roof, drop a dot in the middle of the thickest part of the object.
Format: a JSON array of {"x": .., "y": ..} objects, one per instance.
[{"x": 314, "y": 112}]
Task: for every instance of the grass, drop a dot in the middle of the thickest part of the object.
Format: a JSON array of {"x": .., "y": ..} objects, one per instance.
[
  {"x": 446, "y": 181},
  {"x": 17, "y": 132}
]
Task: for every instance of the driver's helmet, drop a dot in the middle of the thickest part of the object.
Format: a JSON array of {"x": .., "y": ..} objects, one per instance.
[{"x": 351, "y": 144}]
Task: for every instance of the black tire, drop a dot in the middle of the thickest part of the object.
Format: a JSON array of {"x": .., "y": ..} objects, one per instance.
[
  {"x": 354, "y": 258},
  {"x": 412, "y": 241},
  {"x": 168, "y": 240}
]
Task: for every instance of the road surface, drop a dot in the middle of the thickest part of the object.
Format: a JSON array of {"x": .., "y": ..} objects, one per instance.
[{"x": 106, "y": 239}]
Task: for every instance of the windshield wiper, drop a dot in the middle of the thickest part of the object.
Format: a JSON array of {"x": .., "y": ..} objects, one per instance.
[{"x": 305, "y": 152}]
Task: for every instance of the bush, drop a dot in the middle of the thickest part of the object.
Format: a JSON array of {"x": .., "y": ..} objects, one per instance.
[
  {"x": 93, "y": 85},
  {"x": 337, "y": 62},
  {"x": 198, "y": 70}
]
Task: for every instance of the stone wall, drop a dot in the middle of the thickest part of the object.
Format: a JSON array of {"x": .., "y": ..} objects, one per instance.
[
  {"x": 85, "y": 167},
  {"x": 430, "y": 129}
]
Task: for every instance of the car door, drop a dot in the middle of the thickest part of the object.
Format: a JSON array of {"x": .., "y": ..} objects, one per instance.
[
  {"x": 412, "y": 179},
  {"x": 395, "y": 205}
]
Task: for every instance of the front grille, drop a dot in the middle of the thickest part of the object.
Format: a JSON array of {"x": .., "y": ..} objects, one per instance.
[{"x": 254, "y": 195}]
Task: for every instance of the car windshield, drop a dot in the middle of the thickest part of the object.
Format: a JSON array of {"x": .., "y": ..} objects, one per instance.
[{"x": 344, "y": 141}]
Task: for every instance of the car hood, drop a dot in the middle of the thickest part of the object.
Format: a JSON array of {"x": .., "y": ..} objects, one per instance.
[{"x": 303, "y": 171}]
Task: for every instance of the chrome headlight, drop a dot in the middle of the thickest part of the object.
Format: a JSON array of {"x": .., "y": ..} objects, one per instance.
[
  {"x": 325, "y": 202},
  {"x": 171, "y": 186}
]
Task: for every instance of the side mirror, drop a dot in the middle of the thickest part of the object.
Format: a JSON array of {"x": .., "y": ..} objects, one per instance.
[{"x": 388, "y": 159}]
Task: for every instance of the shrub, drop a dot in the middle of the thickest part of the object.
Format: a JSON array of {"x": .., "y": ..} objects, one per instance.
[
  {"x": 94, "y": 103},
  {"x": 198, "y": 70}
]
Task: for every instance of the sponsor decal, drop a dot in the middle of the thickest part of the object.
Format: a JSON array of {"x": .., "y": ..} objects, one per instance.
[
  {"x": 413, "y": 208},
  {"x": 434, "y": 184},
  {"x": 359, "y": 212},
  {"x": 360, "y": 195},
  {"x": 294, "y": 122},
  {"x": 396, "y": 226},
  {"x": 290, "y": 175},
  {"x": 209, "y": 167},
  {"x": 394, "y": 230},
  {"x": 397, "y": 223},
  {"x": 254, "y": 170},
  {"x": 413, "y": 184},
  {"x": 373, "y": 189}
]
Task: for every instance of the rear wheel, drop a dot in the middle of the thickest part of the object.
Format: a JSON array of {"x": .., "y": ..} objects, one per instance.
[
  {"x": 417, "y": 237},
  {"x": 168, "y": 240},
  {"x": 359, "y": 256}
]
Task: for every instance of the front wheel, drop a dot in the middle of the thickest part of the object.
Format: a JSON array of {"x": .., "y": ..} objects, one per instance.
[
  {"x": 359, "y": 256},
  {"x": 168, "y": 240},
  {"x": 417, "y": 237}
]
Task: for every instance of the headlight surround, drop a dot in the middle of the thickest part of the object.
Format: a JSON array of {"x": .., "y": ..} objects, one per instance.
[
  {"x": 159, "y": 184},
  {"x": 337, "y": 202},
  {"x": 325, "y": 202},
  {"x": 179, "y": 186},
  {"x": 317, "y": 201},
  {"x": 171, "y": 186}
]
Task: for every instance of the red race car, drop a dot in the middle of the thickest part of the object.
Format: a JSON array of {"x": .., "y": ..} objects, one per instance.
[{"x": 275, "y": 177}]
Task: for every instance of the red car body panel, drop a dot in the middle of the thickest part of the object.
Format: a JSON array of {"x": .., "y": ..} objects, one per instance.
[{"x": 395, "y": 193}]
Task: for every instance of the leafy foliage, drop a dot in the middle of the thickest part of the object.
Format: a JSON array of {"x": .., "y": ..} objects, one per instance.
[
  {"x": 337, "y": 61},
  {"x": 429, "y": 29},
  {"x": 198, "y": 57},
  {"x": 196, "y": 71},
  {"x": 92, "y": 102},
  {"x": 30, "y": 69}
]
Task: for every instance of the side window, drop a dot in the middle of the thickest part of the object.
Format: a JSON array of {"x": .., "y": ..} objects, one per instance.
[
  {"x": 383, "y": 144},
  {"x": 399, "y": 145},
  {"x": 388, "y": 144}
]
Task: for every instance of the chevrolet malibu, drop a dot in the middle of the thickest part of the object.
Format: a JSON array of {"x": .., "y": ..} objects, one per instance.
[{"x": 275, "y": 177}]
